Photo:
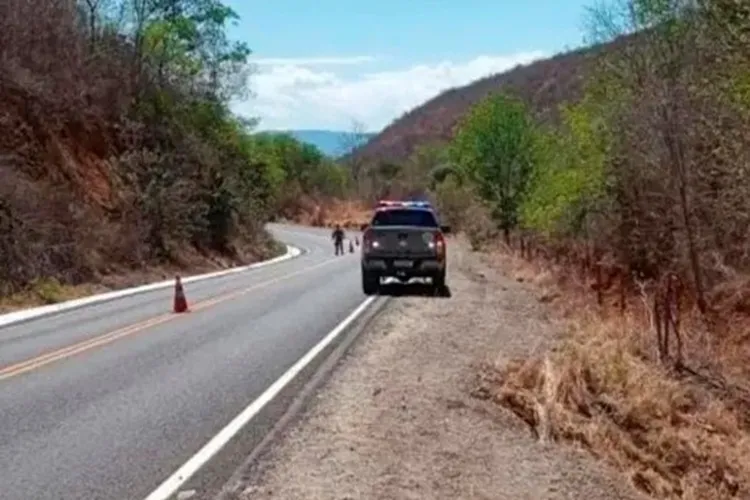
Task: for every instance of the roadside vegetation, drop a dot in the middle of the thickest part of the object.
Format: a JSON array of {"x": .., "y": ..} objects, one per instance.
[
  {"x": 623, "y": 196},
  {"x": 119, "y": 152},
  {"x": 629, "y": 206}
]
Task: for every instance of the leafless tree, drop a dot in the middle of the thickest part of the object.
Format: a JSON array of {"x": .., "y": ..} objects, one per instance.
[{"x": 350, "y": 142}]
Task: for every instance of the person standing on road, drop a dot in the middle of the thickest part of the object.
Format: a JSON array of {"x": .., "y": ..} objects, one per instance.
[{"x": 338, "y": 240}]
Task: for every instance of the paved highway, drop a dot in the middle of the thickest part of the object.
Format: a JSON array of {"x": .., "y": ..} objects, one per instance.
[{"x": 143, "y": 390}]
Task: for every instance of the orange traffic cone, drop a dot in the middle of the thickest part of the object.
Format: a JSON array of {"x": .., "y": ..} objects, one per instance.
[
  {"x": 180, "y": 302},
  {"x": 351, "y": 247}
]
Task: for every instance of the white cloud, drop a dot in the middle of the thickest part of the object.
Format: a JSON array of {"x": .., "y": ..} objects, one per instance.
[{"x": 294, "y": 94}]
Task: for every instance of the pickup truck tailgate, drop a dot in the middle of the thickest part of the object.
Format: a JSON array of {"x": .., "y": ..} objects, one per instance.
[{"x": 402, "y": 241}]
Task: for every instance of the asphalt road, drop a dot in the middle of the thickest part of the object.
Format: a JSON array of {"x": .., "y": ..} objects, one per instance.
[{"x": 114, "y": 418}]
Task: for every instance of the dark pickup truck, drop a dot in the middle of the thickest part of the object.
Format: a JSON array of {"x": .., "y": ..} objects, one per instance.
[{"x": 403, "y": 243}]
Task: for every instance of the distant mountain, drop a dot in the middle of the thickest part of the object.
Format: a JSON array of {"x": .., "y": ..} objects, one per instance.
[{"x": 331, "y": 142}]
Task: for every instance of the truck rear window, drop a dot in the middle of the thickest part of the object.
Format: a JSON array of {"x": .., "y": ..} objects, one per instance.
[{"x": 404, "y": 217}]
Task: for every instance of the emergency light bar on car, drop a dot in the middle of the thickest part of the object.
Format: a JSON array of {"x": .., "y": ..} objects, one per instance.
[
  {"x": 419, "y": 204},
  {"x": 390, "y": 203},
  {"x": 415, "y": 204}
]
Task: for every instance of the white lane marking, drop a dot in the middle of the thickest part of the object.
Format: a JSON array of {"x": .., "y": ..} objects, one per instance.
[
  {"x": 37, "y": 312},
  {"x": 210, "y": 449}
]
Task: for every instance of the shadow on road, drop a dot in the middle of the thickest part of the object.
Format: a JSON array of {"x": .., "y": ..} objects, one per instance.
[{"x": 414, "y": 290}]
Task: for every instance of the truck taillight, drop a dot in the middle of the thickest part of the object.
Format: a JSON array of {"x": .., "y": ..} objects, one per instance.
[
  {"x": 367, "y": 240},
  {"x": 439, "y": 241}
]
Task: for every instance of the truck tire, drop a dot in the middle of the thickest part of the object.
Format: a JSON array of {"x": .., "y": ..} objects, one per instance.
[
  {"x": 438, "y": 281},
  {"x": 370, "y": 283}
]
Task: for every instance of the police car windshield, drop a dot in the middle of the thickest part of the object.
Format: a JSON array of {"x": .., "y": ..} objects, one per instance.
[{"x": 404, "y": 217}]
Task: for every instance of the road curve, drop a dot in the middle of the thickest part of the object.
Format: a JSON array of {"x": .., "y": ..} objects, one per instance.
[{"x": 114, "y": 417}]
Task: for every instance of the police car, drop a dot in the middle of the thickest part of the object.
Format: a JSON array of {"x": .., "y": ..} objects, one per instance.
[{"x": 404, "y": 240}]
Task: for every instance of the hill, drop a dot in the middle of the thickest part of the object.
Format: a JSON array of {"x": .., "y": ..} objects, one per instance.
[
  {"x": 544, "y": 84},
  {"x": 332, "y": 143},
  {"x": 119, "y": 156},
  {"x": 112, "y": 161}
]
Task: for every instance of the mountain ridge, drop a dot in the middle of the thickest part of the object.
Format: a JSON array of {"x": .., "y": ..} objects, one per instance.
[
  {"x": 543, "y": 84},
  {"x": 332, "y": 143}
]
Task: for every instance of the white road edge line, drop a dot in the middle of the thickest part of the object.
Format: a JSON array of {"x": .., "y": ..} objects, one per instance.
[
  {"x": 37, "y": 312},
  {"x": 210, "y": 449}
]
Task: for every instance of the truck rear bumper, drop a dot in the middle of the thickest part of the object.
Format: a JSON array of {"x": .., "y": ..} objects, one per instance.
[{"x": 403, "y": 267}]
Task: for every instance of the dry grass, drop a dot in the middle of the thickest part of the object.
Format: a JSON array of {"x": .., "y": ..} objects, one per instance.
[
  {"x": 675, "y": 435},
  {"x": 328, "y": 213},
  {"x": 44, "y": 292},
  {"x": 51, "y": 291}
]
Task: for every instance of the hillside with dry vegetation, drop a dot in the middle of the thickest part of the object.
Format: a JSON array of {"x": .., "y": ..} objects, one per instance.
[
  {"x": 543, "y": 84},
  {"x": 630, "y": 209},
  {"x": 118, "y": 151}
]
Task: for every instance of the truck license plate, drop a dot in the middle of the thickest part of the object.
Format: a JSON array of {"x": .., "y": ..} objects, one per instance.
[{"x": 402, "y": 263}]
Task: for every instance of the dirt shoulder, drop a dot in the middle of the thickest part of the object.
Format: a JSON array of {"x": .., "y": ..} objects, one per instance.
[
  {"x": 397, "y": 419},
  {"x": 46, "y": 291}
]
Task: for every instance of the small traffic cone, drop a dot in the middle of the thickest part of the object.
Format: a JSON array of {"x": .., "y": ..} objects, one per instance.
[
  {"x": 351, "y": 247},
  {"x": 180, "y": 302}
]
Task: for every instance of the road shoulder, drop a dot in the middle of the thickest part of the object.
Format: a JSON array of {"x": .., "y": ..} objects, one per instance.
[{"x": 397, "y": 420}]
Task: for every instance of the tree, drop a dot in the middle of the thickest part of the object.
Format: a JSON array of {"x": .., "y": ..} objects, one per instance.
[
  {"x": 568, "y": 181},
  {"x": 143, "y": 86},
  {"x": 494, "y": 148},
  {"x": 660, "y": 74},
  {"x": 350, "y": 142}
]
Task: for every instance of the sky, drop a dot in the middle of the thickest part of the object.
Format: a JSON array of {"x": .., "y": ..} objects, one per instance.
[{"x": 331, "y": 64}]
